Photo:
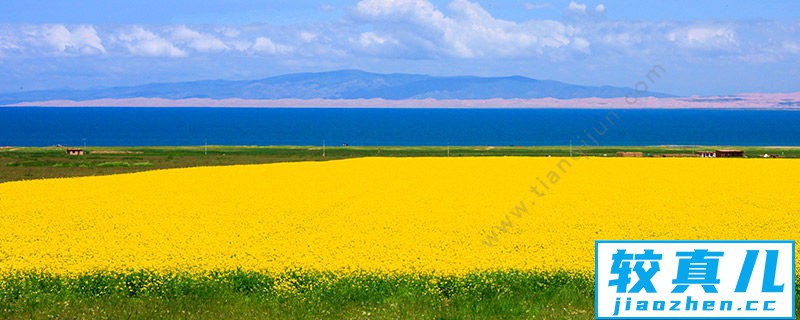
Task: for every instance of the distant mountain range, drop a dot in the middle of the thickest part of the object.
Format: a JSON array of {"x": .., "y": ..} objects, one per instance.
[{"x": 343, "y": 84}]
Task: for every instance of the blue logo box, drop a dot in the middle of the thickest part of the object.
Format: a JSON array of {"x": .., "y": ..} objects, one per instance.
[{"x": 695, "y": 279}]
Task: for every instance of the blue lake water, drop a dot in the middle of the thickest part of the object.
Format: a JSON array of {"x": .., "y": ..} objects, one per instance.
[{"x": 395, "y": 127}]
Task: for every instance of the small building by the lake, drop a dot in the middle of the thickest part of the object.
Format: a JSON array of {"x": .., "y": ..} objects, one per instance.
[
  {"x": 631, "y": 154},
  {"x": 723, "y": 153},
  {"x": 75, "y": 152},
  {"x": 729, "y": 153}
]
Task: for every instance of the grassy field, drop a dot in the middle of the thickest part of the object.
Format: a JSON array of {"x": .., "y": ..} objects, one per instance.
[
  {"x": 297, "y": 295},
  {"x": 52, "y": 162}
]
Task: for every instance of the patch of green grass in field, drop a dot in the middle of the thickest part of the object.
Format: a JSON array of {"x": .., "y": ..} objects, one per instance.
[
  {"x": 51, "y": 162},
  {"x": 297, "y": 294},
  {"x": 114, "y": 164}
]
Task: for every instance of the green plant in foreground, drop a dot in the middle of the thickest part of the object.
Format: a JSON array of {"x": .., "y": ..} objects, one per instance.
[{"x": 296, "y": 294}]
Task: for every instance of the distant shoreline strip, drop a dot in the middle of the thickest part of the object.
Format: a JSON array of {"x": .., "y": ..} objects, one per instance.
[{"x": 745, "y": 101}]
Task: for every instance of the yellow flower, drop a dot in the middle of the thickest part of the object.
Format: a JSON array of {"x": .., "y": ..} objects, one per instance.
[{"x": 409, "y": 215}]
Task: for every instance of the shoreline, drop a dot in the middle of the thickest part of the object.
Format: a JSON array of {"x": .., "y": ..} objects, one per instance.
[
  {"x": 767, "y": 108},
  {"x": 740, "y": 102}
]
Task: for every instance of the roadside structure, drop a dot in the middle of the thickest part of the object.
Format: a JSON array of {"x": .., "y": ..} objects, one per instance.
[{"x": 75, "y": 152}]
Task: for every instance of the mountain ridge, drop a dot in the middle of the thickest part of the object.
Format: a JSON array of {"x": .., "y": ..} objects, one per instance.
[{"x": 343, "y": 84}]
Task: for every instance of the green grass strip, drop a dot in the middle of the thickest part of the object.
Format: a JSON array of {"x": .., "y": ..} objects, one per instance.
[
  {"x": 298, "y": 295},
  {"x": 295, "y": 294}
]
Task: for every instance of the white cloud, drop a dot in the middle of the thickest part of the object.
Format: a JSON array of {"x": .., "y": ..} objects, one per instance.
[
  {"x": 368, "y": 39},
  {"x": 240, "y": 45},
  {"x": 576, "y": 12},
  {"x": 229, "y": 32},
  {"x": 576, "y": 7},
  {"x": 81, "y": 40},
  {"x": 417, "y": 30},
  {"x": 581, "y": 44},
  {"x": 629, "y": 38},
  {"x": 704, "y": 37},
  {"x": 7, "y": 43},
  {"x": 620, "y": 39},
  {"x": 306, "y": 36},
  {"x": 199, "y": 41},
  {"x": 86, "y": 38},
  {"x": 140, "y": 41},
  {"x": 376, "y": 44},
  {"x": 57, "y": 36},
  {"x": 600, "y": 8},
  {"x": 267, "y": 46},
  {"x": 400, "y": 10},
  {"x": 467, "y": 30}
]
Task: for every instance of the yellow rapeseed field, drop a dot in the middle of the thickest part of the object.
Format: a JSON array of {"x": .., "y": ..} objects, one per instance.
[{"x": 429, "y": 215}]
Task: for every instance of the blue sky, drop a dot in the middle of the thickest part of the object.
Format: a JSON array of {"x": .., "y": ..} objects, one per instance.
[{"x": 706, "y": 47}]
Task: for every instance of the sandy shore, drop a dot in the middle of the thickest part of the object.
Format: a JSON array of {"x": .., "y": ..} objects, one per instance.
[{"x": 784, "y": 101}]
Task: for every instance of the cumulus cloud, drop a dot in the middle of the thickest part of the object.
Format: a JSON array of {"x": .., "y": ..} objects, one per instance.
[
  {"x": 369, "y": 39},
  {"x": 81, "y": 40},
  {"x": 600, "y": 8},
  {"x": 265, "y": 45},
  {"x": 420, "y": 29},
  {"x": 377, "y": 44},
  {"x": 142, "y": 42},
  {"x": 199, "y": 41},
  {"x": 240, "y": 45},
  {"x": 581, "y": 44},
  {"x": 622, "y": 39},
  {"x": 466, "y": 30},
  {"x": 399, "y": 10},
  {"x": 704, "y": 37},
  {"x": 576, "y": 7},
  {"x": 306, "y": 36},
  {"x": 580, "y": 11},
  {"x": 229, "y": 32}
]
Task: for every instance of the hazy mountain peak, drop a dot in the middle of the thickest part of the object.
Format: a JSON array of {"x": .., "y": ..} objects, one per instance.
[{"x": 344, "y": 84}]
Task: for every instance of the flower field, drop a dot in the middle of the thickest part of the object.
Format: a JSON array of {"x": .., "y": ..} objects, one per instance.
[{"x": 437, "y": 216}]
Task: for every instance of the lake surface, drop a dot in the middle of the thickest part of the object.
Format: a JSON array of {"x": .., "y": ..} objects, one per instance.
[{"x": 394, "y": 127}]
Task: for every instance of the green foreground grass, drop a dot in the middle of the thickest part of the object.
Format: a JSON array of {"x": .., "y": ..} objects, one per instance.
[
  {"x": 37, "y": 163},
  {"x": 297, "y": 295}
]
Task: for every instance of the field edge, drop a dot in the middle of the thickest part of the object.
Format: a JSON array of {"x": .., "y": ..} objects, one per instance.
[{"x": 243, "y": 294}]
